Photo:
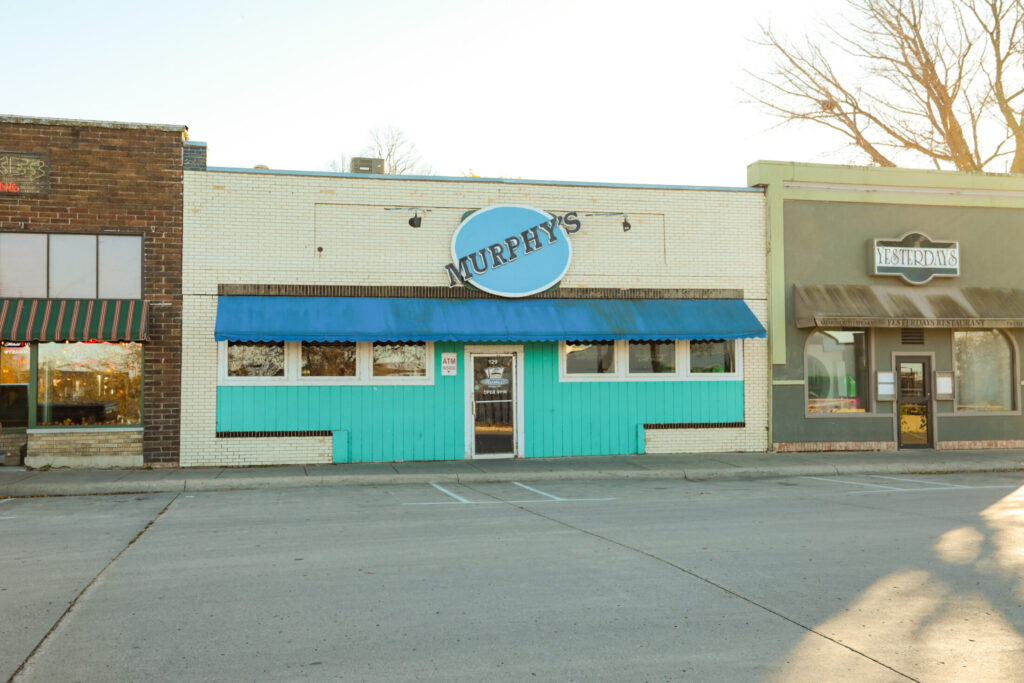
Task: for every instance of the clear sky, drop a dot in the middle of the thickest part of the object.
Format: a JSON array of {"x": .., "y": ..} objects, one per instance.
[{"x": 625, "y": 91}]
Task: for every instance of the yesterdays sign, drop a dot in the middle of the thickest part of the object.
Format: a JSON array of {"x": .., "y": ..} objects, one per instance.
[
  {"x": 511, "y": 251},
  {"x": 916, "y": 258}
]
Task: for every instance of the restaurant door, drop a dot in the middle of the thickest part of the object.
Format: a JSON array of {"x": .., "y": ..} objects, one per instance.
[
  {"x": 494, "y": 402},
  {"x": 914, "y": 415}
]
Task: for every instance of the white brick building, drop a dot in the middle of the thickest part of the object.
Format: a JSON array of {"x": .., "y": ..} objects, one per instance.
[{"x": 336, "y": 245}]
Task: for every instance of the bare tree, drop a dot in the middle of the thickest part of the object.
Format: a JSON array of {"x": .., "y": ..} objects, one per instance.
[
  {"x": 399, "y": 154},
  {"x": 340, "y": 164},
  {"x": 905, "y": 80},
  {"x": 390, "y": 144}
]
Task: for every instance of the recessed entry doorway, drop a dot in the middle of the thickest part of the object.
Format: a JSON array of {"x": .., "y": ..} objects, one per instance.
[
  {"x": 914, "y": 415},
  {"x": 494, "y": 401}
]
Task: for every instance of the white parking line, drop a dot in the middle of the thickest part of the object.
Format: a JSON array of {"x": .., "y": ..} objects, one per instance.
[
  {"x": 936, "y": 488},
  {"x": 920, "y": 481},
  {"x": 530, "y": 488},
  {"x": 459, "y": 500},
  {"x": 855, "y": 483},
  {"x": 449, "y": 493},
  {"x": 5, "y": 500},
  {"x": 912, "y": 489}
]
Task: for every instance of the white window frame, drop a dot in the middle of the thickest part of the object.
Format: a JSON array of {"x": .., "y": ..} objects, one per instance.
[
  {"x": 622, "y": 373},
  {"x": 293, "y": 370}
]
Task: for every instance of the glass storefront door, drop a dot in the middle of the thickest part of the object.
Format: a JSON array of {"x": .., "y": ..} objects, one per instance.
[
  {"x": 914, "y": 400},
  {"x": 14, "y": 382},
  {"x": 494, "y": 405}
]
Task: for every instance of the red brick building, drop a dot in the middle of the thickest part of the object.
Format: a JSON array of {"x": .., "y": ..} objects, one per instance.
[{"x": 90, "y": 291}]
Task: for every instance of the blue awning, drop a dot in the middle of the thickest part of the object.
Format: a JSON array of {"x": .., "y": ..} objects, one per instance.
[{"x": 285, "y": 318}]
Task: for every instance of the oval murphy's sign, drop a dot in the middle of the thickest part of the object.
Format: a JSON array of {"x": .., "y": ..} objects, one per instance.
[
  {"x": 916, "y": 258},
  {"x": 511, "y": 251}
]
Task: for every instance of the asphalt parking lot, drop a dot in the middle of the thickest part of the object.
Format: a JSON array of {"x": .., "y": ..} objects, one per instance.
[{"x": 859, "y": 577}]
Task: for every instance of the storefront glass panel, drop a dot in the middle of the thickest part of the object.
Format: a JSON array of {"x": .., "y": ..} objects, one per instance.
[
  {"x": 95, "y": 383},
  {"x": 406, "y": 359},
  {"x": 914, "y": 402},
  {"x": 652, "y": 357},
  {"x": 14, "y": 379},
  {"x": 589, "y": 358},
  {"x": 712, "y": 356},
  {"x": 493, "y": 404},
  {"x": 336, "y": 359},
  {"x": 984, "y": 371},
  {"x": 837, "y": 372},
  {"x": 255, "y": 359}
]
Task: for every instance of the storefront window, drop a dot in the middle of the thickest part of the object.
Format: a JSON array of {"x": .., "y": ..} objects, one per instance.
[
  {"x": 984, "y": 370},
  {"x": 837, "y": 372},
  {"x": 94, "y": 383},
  {"x": 255, "y": 359},
  {"x": 717, "y": 355},
  {"x": 328, "y": 359},
  {"x": 14, "y": 377},
  {"x": 652, "y": 357},
  {"x": 402, "y": 359},
  {"x": 589, "y": 357}
]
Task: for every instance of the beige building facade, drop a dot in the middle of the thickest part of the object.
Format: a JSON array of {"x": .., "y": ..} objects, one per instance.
[{"x": 322, "y": 248}]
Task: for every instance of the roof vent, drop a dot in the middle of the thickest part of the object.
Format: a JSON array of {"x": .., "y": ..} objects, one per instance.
[
  {"x": 262, "y": 166},
  {"x": 366, "y": 165},
  {"x": 912, "y": 336}
]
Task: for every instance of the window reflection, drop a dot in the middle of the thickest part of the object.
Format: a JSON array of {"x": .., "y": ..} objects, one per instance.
[
  {"x": 984, "y": 370},
  {"x": 715, "y": 355},
  {"x": 94, "y": 383},
  {"x": 589, "y": 357},
  {"x": 328, "y": 359},
  {"x": 837, "y": 372},
  {"x": 14, "y": 375},
  {"x": 399, "y": 359},
  {"x": 652, "y": 357},
  {"x": 255, "y": 359}
]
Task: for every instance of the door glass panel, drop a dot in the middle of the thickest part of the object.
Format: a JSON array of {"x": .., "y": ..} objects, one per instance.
[
  {"x": 914, "y": 424},
  {"x": 14, "y": 374},
  {"x": 914, "y": 403},
  {"x": 911, "y": 380},
  {"x": 494, "y": 401}
]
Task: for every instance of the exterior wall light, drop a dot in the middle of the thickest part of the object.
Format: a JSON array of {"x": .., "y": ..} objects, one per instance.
[
  {"x": 626, "y": 225},
  {"x": 416, "y": 220}
]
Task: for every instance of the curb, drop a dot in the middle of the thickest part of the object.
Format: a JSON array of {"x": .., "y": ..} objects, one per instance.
[{"x": 696, "y": 473}]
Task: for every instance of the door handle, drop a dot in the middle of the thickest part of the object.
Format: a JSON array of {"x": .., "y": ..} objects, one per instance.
[{"x": 473, "y": 409}]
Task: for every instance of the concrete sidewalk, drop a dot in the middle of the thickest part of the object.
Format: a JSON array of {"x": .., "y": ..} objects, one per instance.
[{"x": 695, "y": 467}]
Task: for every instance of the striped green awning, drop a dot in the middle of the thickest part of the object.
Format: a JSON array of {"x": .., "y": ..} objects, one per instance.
[{"x": 73, "y": 319}]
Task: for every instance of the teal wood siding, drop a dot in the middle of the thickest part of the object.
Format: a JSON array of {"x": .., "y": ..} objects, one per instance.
[
  {"x": 606, "y": 418},
  {"x": 386, "y": 423}
]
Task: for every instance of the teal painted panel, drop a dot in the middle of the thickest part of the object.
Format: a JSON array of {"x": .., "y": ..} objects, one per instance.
[
  {"x": 340, "y": 446},
  {"x": 384, "y": 423},
  {"x": 389, "y": 423},
  {"x": 605, "y": 418}
]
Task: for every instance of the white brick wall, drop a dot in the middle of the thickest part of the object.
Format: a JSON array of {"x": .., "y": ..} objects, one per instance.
[{"x": 260, "y": 228}]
